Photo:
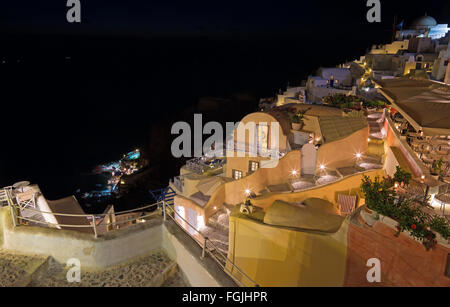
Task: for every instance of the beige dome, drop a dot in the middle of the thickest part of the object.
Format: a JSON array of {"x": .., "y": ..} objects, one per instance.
[{"x": 424, "y": 22}]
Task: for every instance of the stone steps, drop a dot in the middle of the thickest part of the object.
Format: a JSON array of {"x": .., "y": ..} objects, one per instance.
[
  {"x": 33, "y": 215},
  {"x": 217, "y": 229},
  {"x": 154, "y": 270}
]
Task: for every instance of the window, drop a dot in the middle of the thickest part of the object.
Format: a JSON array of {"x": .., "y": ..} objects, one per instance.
[
  {"x": 446, "y": 62},
  {"x": 253, "y": 166},
  {"x": 237, "y": 174}
]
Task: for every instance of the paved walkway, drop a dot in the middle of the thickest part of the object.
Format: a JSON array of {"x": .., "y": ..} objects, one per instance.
[{"x": 13, "y": 267}]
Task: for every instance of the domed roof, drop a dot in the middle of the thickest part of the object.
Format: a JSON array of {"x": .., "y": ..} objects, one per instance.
[{"x": 424, "y": 22}]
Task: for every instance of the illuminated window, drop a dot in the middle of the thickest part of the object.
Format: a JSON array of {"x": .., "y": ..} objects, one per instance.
[
  {"x": 253, "y": 166},
  {"x": 237, "y": 174}
]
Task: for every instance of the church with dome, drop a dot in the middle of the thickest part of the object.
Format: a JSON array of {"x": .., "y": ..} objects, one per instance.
[{"x": 425, "y": 26}]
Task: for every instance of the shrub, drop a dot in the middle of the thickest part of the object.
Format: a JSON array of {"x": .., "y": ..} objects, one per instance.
[
  {"x": 402, "y": 176},
  {"x": 407, "y": 211}
]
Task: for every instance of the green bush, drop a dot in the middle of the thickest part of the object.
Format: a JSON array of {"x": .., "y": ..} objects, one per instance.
[
  {"x": 381, "y": 198},
  {"x": 402, "y": 176}
]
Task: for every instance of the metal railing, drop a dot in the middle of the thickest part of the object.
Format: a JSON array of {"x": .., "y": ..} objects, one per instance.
[
  {"x": 212, "y": 250},
  {"x": 94, "y": 217}
]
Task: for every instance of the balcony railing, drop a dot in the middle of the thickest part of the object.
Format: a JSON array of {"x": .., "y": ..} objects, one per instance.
[
  {"x": 18, "y": 219},
  {"x": 208, "y": 247}
]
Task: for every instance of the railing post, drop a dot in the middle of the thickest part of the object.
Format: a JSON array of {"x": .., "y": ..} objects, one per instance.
[
  {"x": 94, "y": 222},
  {"x": 11, "y": 206},
  {"x": 13, "y": 215},
  {"x": 164, "y": 210},
  {"x": 204, "y": 247}
]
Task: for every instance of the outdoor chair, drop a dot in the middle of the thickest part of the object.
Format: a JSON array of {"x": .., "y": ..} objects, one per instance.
[{"x": 346, "y": 204}]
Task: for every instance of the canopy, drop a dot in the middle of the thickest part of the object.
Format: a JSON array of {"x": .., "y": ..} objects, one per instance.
[{"x": 425, "y": 104}]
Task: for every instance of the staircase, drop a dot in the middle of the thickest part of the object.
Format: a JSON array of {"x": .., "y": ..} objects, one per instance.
[
  {"x": 32, "y": 215},
  {"x": 165, "y": 194},
  {"x": 374, "y": 121},
  {"x": 3, "y": 198},
  {"x": 217, "y": 231}
]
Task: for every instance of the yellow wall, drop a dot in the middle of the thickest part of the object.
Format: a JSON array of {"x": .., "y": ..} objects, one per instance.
[
  {"x": 274, "y": 256},
  {"x": 408, "y": 67},
  {"x": 342, "y": 152},
  {"x": 241, "y": 164},
  {"x": 277, "y": 256},
  {"x": 234, "y": 192}
]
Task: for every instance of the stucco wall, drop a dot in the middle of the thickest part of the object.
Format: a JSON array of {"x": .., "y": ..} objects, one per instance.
[
  {"x": 261, "y": 117},
  {"x": 190, "y": 264},
  {"x": 274, "y": 256},
  {"x": 342, "y": 152},
  {"x": 112, "y": 249},
  {"x": 241, "y": 164},
  {"x": 234, "y": 192},
  {"x": 393, "y": 140}
]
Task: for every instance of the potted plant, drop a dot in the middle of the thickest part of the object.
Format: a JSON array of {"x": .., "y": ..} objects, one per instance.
[
  {"x": 436, "y": 170},
  {"x": 401, "y": 176},
  {"x": 297, "y": 120}
]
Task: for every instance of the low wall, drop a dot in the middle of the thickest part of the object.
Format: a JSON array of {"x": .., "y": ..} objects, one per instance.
[
  {"x": 393, "y": 139},
  {"x": 116, "y": 247},
  {"x": 342, "y": 152},
  {"x": 111, "y": 249},
  {"x": 189, "y": 263}
]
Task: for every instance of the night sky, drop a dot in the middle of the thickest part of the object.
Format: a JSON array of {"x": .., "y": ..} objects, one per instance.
[
  {"x": 138, "y": 66},
  {"x": 147, "y": 18}
]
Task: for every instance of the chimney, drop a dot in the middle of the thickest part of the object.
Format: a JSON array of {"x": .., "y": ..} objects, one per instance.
[{"x": 447, "y": 75}]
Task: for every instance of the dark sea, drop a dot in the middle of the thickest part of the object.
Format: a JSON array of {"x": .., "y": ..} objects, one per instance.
[{"x": 68, "y": 103}]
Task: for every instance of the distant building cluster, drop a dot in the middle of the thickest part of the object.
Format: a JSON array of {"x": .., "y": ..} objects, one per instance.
[{"x": 420, "y": 50}]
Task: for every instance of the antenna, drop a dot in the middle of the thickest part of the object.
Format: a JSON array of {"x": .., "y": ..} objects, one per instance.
[{"x": 394, "y": 26}]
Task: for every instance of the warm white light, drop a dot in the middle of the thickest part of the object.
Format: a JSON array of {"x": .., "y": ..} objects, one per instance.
[
  {"x": 368, "y": 140},
  {"x": 358, "y": 155},
  {"x": 294, "y": 172},
  {"x": 200, "y": 222},
  {"x": 322, "y": 166},
  {"x": 247, "y": 191},
  {"x": 215, "y": 208},
  {"x": 423, "y": 177},
  {"x": 396, "y": 185}
]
